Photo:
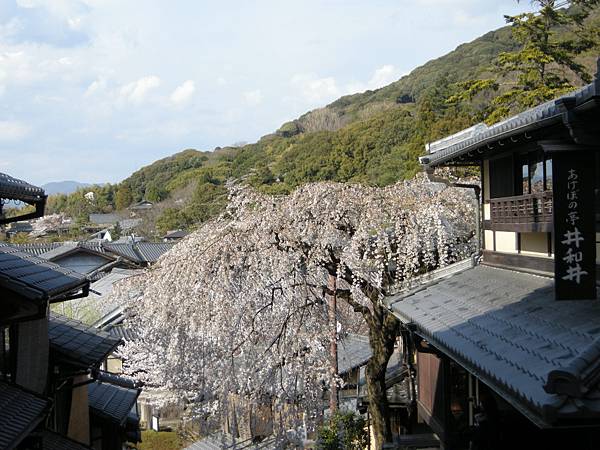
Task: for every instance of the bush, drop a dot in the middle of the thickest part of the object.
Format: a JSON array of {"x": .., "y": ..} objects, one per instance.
[{"x": 345, "y": 431}]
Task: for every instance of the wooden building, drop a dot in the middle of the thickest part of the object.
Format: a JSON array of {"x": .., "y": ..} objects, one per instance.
[
  {"x": 507, "y": 346},
  {"x": 48, "y": 362}
]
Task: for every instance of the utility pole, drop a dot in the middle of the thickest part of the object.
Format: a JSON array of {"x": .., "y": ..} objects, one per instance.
[{"x": 332, "y": 310}]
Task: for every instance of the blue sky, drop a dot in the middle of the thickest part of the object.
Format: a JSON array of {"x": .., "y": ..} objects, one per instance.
[{"x": 92, "y": 90}]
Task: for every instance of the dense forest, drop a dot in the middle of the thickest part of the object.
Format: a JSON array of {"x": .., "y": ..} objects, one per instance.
[{"x": 373, "y": 137}]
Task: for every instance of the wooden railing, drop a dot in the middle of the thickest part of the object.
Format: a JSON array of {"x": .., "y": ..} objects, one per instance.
[{"x": 527, "y": 209}]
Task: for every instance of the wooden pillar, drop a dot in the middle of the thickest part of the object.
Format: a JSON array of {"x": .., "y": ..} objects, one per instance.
[{"x": 332, "y": 310}]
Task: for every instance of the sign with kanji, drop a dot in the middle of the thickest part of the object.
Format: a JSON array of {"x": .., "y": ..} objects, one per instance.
[{"x": 573, "y": 175}]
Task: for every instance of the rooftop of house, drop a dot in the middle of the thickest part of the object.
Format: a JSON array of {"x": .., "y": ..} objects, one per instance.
[
  {"x": 78, "y": 344},
  {"x": 136, "y": 251},
  {"x": 541, "y": 355},
  {"x": 477, "y": 140},
  {"x": 111, "y": 402},
  {"x": 20, "y": 412},
  {"x": 175, "y": 234},
  {"x": 15, "y": 189},
  {"x": 104, "y": 219},
  {"x": 353, "y": 351},
  {"x": 21, "y": 191},
  {"x": 55, "y": 441},
  {"x": 37, "y": 279},
  {"x": 219, "y": 441}
]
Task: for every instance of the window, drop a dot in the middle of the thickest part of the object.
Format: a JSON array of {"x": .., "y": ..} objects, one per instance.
[
  {"x": 5, "y": 362},
  {"x": 525, "y": 178},
  {"x": 536, "y": 177},
  {"x": 548, "y": 175},
  {"x": 535, "y": 172}
]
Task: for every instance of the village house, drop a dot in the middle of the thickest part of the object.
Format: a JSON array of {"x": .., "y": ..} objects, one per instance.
[
  {"x": 507, "y": 346},
  {"x": 52, "y": 390}
]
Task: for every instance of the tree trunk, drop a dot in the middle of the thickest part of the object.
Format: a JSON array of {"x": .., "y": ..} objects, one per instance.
[
  {"x": 383, "y": 330},
  {"x": 332, "y": 309}
]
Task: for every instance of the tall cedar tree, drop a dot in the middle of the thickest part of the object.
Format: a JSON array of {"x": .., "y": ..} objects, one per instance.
[{"x": 545, "y": 66}]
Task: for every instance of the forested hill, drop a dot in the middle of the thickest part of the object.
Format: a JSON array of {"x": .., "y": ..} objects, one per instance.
[{"x": 373, "y": 137}]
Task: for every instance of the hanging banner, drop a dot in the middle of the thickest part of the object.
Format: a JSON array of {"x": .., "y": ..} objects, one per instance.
[{"x": 573, "y": 175}]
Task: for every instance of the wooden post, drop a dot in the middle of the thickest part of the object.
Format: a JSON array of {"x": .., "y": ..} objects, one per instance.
[{"x": 332, "y": 309}]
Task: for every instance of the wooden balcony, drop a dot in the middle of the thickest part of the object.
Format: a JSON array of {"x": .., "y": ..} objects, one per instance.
[{"x": 525, "y": 213}]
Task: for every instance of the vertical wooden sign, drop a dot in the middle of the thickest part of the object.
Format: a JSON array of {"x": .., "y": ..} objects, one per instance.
[{"x": 573, "y": 175}]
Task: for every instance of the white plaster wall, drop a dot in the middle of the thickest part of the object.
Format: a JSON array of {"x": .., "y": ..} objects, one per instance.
[
  {"x": 486, "y": 180},
  {"x": 488, "y": 240},
  {"x": 506, "y": 241},
  {"x": 487, "y": 211}
]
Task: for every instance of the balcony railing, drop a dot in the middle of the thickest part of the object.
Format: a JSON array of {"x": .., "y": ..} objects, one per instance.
[{"x": 530, "y": 212}]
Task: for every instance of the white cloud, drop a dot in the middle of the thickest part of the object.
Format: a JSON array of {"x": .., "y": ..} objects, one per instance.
[
  {"x": 315, "y": 90},
  {"x": 183, "y": 93},
  {"x": 253, "y": 98},
  {"x": 95, "y": 86},
  {"x": 383, "y": 76},
  {"x": 136, "y": 91},
  {"x": 221, "y": 81},
  {"x": 12, "y": 130},
  {"x": 28, "y": 4}
]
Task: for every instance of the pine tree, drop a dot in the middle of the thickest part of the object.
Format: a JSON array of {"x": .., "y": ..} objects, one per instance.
[{"x": 546, "y": 64}]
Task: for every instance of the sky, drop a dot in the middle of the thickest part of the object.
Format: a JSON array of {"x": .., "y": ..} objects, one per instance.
[{"x": 92, "y": 90}]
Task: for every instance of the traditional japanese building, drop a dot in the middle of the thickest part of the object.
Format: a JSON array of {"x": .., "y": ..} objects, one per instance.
[
  {"x": 50, "y": 376},
  {"x": 507, "y": 346}
]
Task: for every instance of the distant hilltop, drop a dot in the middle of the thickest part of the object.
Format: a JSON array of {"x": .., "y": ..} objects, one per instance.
[{"x": 63, "y": 187}]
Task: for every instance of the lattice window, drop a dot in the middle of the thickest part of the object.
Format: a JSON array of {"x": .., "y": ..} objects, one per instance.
[{"x": 5, "y": 358}]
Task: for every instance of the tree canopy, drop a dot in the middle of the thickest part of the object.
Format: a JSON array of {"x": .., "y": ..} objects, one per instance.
[{"x": 238, "y": 306}]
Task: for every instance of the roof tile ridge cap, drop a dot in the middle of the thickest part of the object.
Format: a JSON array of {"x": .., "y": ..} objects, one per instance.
[
  {"x": 504, "y": 269},
  {"x": 581, "y": 372}
]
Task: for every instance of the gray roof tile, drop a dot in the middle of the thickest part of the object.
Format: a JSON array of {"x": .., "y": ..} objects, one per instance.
[
  {"x": 15, "y": 189},
  {"x": 353, "y": 351},
  {"x": 506, "y": 327},
  {"x": 104, "y": 219},
  {"x": 54, "y": 441},
  {"x": 218, "y": 441},
  {"x": 110, "y": 401},
  {"x": 468, "y": 140},
  {"x": 35, "y": 278},
  {"x": 20, "y": 413},
  {"x": 79, "y": 344}
]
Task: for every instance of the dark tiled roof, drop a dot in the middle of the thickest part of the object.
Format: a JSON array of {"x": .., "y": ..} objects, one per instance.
[
  {"x": 79, "y": 344},
  {"x": 111, "y": 402},
  {"x": 104, "y": 219},
  {"x": 353, "y": 351},
  {"x": 20, "y": 413},
  {"x": 14, "y": 189},
  {"x": 218, "y": 441},
  {"x": 70, "y": 247},
  {"x": 544, "y": 115},
  {"x": 151, "y": 251},
  {"x": 125, "y": 250},
  {"x": 107, "y": 377},
  {"x": 54, "y": 441},
  {"x": 177, "y": 234},
  {"x": 35, "y": 278},
  {"x": 37, "y": 248},
  {"x": 139, "y": 252},
  {"x": 506, "y": 328},
  {"x": 122, "y": 332}
]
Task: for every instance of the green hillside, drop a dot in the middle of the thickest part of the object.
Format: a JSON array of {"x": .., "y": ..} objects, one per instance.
[{"x": 373, "y": 137}]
